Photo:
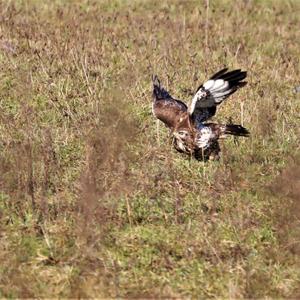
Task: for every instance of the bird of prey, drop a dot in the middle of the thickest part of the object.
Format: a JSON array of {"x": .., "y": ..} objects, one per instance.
[{"x": 192, "y": 133}]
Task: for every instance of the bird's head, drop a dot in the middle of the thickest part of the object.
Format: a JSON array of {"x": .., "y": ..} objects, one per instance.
[{"x": 182, "y": 135}]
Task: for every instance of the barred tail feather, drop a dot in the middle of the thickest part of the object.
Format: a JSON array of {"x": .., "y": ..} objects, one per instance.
[{"x": 237, "y": 130}]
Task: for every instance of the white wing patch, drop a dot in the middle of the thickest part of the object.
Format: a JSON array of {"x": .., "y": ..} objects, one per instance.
[
  {"x": 218, "y": 85},
  {"x": 215, "y": 90},
  {"x": 211, "y": 93},
  {"x": 209, "y": 84}
]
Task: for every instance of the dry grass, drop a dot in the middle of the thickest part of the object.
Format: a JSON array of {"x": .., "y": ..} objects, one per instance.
[{"x": 93, "y": 203}]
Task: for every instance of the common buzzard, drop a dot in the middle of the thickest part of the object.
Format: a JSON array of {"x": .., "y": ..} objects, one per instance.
[{"x": 191, "y": 132}]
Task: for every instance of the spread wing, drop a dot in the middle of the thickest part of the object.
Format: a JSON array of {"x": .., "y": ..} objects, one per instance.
[
  {"x": 214, "y": 91},
  {"x": 165, "y": 107}
]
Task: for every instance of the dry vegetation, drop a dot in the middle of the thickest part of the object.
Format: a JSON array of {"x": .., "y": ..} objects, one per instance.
[{"x": 94, "y": 202}]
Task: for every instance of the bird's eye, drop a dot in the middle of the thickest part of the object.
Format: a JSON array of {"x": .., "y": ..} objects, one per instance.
[{"x": 182, "y": 133}]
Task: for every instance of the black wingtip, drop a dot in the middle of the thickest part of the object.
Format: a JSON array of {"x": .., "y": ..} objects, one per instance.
[
  {"x": 234, "y": 76},
  {"x": 219, "y": 73},
  {"x": 231, "y": 76},
  {"x": 241, "y": 84},
  {"x": 158, "y": 90},
  {"x": 155, "y": 80}
]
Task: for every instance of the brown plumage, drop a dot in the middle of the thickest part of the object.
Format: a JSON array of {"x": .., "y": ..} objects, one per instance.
[{"x": 191, "y": 133}]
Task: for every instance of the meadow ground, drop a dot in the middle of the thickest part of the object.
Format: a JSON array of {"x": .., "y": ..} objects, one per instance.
[{"x": 94, "y": 202}]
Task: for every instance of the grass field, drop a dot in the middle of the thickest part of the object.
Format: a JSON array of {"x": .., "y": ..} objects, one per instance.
[{"x": 94, "y": 202}]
